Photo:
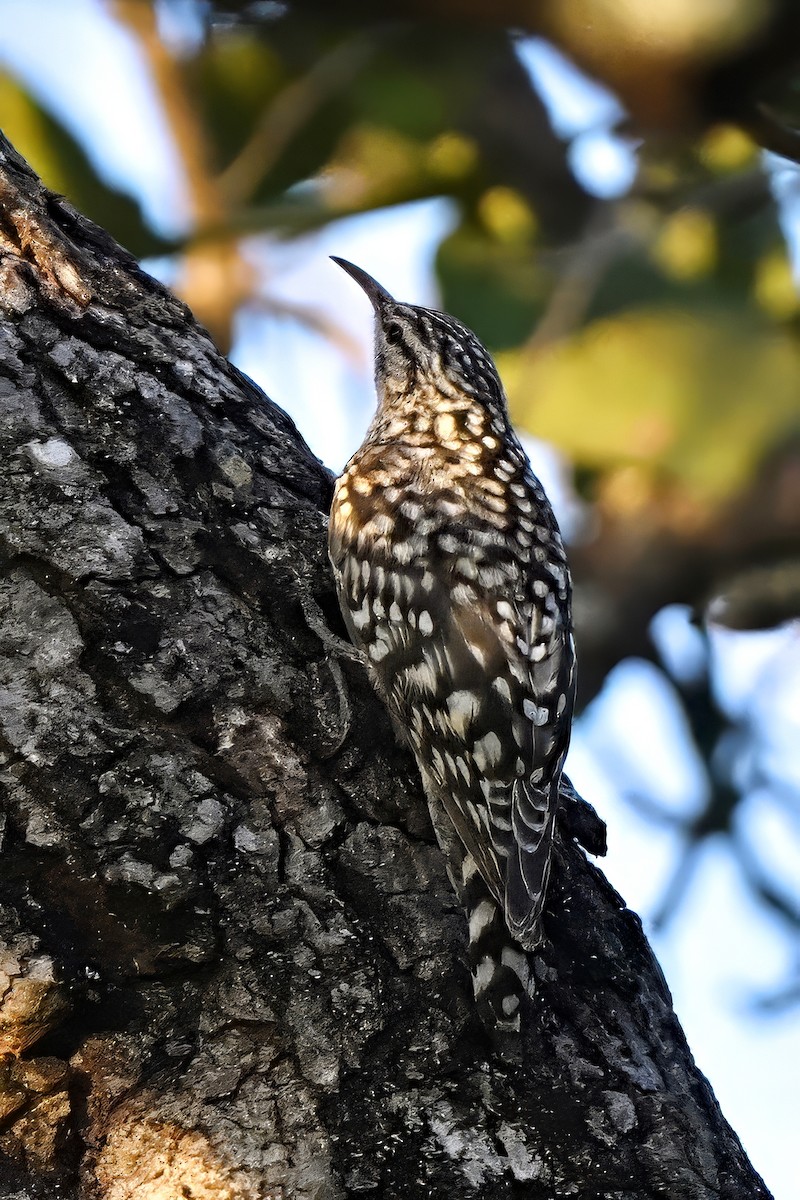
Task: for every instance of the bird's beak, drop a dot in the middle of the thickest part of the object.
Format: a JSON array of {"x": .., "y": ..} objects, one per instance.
[{"x": 378, "y": 295}]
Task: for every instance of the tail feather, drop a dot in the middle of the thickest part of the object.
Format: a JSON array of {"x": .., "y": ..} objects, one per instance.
[
  {"x": 501, "y": 972},
  {"x": 500, "y": 967},
  {"x": 528, "y": 863},
  {"x": 526, "y": 886}
]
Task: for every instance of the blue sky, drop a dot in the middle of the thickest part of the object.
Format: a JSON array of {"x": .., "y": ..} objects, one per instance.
[{"x": 720, "y": 950}]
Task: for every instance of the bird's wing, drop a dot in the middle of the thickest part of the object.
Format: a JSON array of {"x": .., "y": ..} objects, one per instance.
[
  {"x": 489, "y": 691},
  {"x": 474, "y": 660}
]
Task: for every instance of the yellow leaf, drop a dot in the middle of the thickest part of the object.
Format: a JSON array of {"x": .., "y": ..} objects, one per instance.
[
  {"x": 686, "y": 247},
  {"x": 507, "y": 215},
  {"x": 775, "y": 288},
  {"x": 452, "y": 156},
  {"x": 726, "y": 148}
]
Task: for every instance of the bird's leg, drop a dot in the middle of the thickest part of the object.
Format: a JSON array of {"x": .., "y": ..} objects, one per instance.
[
  {"x": 338, "y": 649},
  {"x": 315, "y": 619}
]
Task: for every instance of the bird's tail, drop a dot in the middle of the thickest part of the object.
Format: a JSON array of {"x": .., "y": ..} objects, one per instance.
[
  {"x": 501, "y": 969},
  {"x": 533, "y": 813}
]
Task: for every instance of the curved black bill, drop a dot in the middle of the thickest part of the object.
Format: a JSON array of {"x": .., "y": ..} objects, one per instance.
[{"x": 377, "y": 294}]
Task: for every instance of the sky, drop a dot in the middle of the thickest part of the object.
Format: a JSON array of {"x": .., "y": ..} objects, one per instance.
[{"x": 720, "y": 951}]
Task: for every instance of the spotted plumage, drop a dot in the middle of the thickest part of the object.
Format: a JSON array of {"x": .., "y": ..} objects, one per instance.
[{"x": 453, "y": 582}]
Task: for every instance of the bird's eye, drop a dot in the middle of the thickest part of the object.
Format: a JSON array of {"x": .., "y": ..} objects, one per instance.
[{"x": 393, "y": 333}]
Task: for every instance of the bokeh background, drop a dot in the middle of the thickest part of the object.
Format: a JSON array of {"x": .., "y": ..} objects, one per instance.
[{"x": 608, "y": 194}]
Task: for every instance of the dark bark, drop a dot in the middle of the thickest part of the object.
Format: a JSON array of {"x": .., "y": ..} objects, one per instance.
[{"x": 233, "y": 963}]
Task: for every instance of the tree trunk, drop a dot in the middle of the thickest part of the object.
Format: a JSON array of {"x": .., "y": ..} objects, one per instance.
[{"x": 233, "y": 965}]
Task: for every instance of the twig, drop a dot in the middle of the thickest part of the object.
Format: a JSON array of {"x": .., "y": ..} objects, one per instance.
[
  {"x": 205, "y": 197},
  {"x": 577, "y": 284},
  {"x": 315, "y": 319},
  {"x": 289, "y": 112},
  {"x": 771, "y": 134}
]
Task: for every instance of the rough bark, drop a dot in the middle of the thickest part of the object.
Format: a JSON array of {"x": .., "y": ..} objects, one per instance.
[{"x": 233, "y": 965}]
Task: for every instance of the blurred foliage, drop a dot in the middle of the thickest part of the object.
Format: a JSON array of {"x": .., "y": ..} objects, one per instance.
[
  {"x": 65, "y": 167},
  {"x": 685, "y": 405},
  {"x": 653, "y": 338}
]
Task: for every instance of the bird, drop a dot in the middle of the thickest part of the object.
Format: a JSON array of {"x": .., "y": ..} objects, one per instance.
[{"x": 453, "y": 582}]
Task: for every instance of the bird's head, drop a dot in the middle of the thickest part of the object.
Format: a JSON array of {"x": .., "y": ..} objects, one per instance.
[{"x": 417, "y": 346}]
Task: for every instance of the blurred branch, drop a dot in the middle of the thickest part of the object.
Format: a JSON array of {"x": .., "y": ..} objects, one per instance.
[
  {"x": 576, "y": 284},
  {"x": 580, "y": 269},
  {"x": 772, "y": 134},
  {"x": 214, "y": 277},
  {"x": 180, "y": 113},
  {"x": 651, "y": 810},
  {"x": 779, "y": 1000},
  {"x": 775, "y": 898},
  {"x": 731, "y": 197},
  {"x": 677, "y": 886},
  {"x": 760, "y": 598},
  {"x": 291, "y": 110},
  {"x": 640, "y": 561},
  {"x": 314, "y": 319}
]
